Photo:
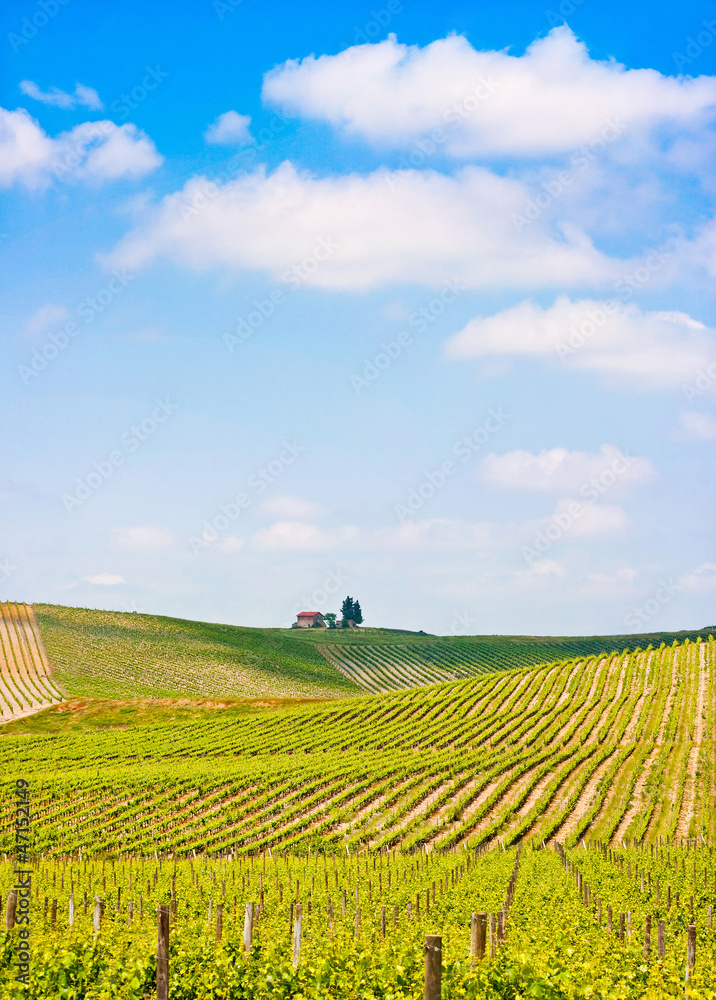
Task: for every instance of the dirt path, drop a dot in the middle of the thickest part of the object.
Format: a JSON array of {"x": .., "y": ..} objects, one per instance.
[
  {"x": 585, "y": 800},
  {"x": 688, "y": 802}
]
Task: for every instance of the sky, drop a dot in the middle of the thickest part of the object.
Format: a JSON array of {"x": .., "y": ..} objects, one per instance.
[{"x": 412, "y": 302}]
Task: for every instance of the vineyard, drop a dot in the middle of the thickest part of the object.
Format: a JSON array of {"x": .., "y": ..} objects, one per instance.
[
  {"x": 609, "y": 748},
  {"x": 359, "y": 825},
  {"x": 591, "y": 922},
  {"x": 109, "y": 654},
  {"x": 26, "y": 683}
]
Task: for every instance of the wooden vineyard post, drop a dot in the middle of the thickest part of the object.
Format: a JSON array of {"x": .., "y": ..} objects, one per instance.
[
  {"x": 10, "y": 911},
  {"x": 711, "y": 918},
  {"x": 53, "y": 914},
  {"x": 690, "y": 950},
  {"x": 219, "y": 922},
  {"x": 71, "y": 913},
  {"x": 493, "y": 935},
  {"x": 163, "y": 952},
  {"x": 290, "y": 919},
  {"x": 357, "y": 923},
  {"x": 433, "y": 966},
  {"x": 130, "y": 912},
  {"x": 647, "y": 936},
  {"x": 343, "y": 911},
  {"x": 609, "y": 920},
  {"x": 297, "y": 935},
  {"x": 98, "y": 911},
  {"x": 382, "y": 922},
  {"x": 332, "y": 919},
  {"x": 662, "y": 940},
  {"x": 621, "y": 927},
  {"x": 249, "y": 926}
]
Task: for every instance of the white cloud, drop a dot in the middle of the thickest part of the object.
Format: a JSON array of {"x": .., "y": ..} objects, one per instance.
[
  {"x": 105, "y": 579},
  {"x": 594, "y": 519},
  {"x": 549, "y": 100},
  {"x": 701, "y": 580},
  {"x": 292, "y": 508},
  {"x": 98, "y": 151},
  {"x": 699, "y": 426},
  {"x": 645, "y": 349},
  {"x": 413, "y": 226},
  {"x": 561, "y": 471},
  {"x": 86, "y": 97},
  {"x": 291, "y": 535},
  {"x": 142, "y": 538},
  {"x": 231, "y": 129},
  {"x": 45, "y": 317}
]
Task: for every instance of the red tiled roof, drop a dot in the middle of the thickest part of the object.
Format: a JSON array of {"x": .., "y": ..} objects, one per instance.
[{"x": 307, "y": 614}]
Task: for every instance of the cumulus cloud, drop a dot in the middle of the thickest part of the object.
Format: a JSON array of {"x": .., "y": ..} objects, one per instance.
[
  {"x": 619, "y": 341},
  {"x": 142, "y": 538},
  {"x": 45, "y": 317},
  {"x": 83, "y": 96},
  {"x": 486, "y": 103},
  {"x": 292, "y": 508},
  {"x": 358, "y": 232},
  {"x": 96, "y": 151},
  {"x": 558, "y": 470},
  {"x": 105, "y": 579},
  {"x": 231, "y": 129},
  {"x": 699, "y": 426},
  {"x": 292, "y": 535},
  {"x": 700, "y": 580}
]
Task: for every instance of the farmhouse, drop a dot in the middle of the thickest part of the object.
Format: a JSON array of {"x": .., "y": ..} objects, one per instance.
[{"x": 309, "y": 619}]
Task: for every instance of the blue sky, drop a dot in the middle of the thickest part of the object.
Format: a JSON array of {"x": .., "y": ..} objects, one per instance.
[{"x": 411, "y": 301}]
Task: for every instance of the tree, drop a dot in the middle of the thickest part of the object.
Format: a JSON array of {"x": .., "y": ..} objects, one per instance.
[
  {"x": 357, "y": 613},
  {"x": 331, "y": 619},
  {"x": 347, "y": 611}
]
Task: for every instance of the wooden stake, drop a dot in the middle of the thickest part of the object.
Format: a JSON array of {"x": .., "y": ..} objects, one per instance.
[
  {"x": 297, "y": 935},
  {"x": 647, "y": 936},
  {"x": 690, "y": 949},
  {"x": 163, "y": 953},
  {"x": 98, "y": 912},
  {"x": 433, "y": 966},
  {"x": 662, "y": 940},
  {"x": 10, "y": 911}
]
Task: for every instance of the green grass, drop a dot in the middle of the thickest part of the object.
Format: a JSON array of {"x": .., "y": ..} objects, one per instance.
[
  {"x": 117, "y": 655},
  {"x": 110, "y": 654}
]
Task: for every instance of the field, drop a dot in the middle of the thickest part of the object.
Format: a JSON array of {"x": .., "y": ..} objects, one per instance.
[
  {"x": 408, "y": 800},
  {"x": 26, "y": 682},
  {"x": 106, "y": 654}
]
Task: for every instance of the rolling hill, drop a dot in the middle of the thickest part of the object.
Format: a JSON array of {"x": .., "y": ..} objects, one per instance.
[
  {"x": 108, "y": 654},
  {"x": 608, "y": 748}
]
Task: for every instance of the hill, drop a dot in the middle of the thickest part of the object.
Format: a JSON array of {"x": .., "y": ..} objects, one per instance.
[
  {"x": 109, "y": 654},
  {"x": 607, "y": 748}
]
